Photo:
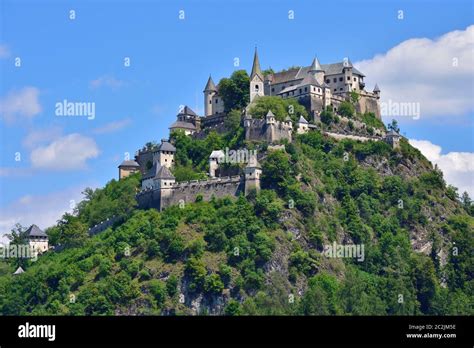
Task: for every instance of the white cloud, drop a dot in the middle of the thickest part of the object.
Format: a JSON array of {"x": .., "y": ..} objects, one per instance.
[
  {"x": 4, "y": 51},
  {"x": 112, "y": 126},
  {"x": 68, "y": 152},
  {"x": 42, "y": 210},
  {"x": 437, "y": 73},
  {"x": 22, "y": 103},
  {"x": 457, "y": 167},
  {"x": 106, "y": 81}
]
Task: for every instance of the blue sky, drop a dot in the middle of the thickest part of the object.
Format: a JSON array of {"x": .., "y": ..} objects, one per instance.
[{"x": 83, "y": 60}]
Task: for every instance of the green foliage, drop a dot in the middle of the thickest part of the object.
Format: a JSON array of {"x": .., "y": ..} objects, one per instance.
[
  {"x": 235, "y": 90},
  {"x": 321, "y": 296},
  {"x": 213, "y": 284},
  {"x": 371, "y": 120},
  {"x": 346, "y": 109},
  {"x": 280, "y": 108},
  {"x": 240, "y": 244},
  {"x": 158, "y": 290}
]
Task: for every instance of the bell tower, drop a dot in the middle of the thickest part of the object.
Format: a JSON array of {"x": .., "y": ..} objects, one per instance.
[{"x": 256, "y": 79}]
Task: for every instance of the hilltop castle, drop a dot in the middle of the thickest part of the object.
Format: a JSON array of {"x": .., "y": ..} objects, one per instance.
[{"x": 317, "y": 87}]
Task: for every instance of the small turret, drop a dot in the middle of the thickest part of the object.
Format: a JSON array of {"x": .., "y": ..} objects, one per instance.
[
  {"x": 127, "y": 167},
  {"x": 214, "y": 159},
  {"x": 302, "y": 125},
  {"x": 270, "y": 117},
  {"x": 393, "y": 139},
  {"x": 377, "y": 91}
]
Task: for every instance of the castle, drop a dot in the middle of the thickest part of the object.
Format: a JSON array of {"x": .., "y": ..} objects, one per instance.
[{"x": 317, "y": 87}]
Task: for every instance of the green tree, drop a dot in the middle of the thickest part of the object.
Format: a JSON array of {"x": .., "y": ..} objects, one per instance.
[{"x": 235, "y": 90}]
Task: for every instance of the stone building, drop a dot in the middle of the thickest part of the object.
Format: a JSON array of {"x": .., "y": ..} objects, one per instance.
[
  {"x": 37, "y": 239},
  {"x": 128, "y": 167},
  {"x": 268, "y": 129},
  {"x": 393, "y": 139}
]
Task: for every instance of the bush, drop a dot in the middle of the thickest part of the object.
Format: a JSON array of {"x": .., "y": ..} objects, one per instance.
[
  {"x": 346, "y": 109},
  {"x": 213, "y": 284},
  {"x": 158, "y": 290}
]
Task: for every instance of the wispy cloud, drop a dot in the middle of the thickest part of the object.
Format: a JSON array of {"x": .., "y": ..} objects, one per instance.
[
  {"x": 112, "y": 126},
  {"x": 66, "y": 153},
  {"x": 20, "y": 104},
  {"x": 106, "y": 81}
]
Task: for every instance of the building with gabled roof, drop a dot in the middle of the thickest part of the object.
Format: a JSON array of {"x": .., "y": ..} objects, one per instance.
[{"x": 37, "y": 239}]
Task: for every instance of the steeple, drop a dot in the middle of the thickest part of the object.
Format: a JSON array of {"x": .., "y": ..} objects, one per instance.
[
  {"x": 256, "y": 71},
  {"x": 376, "y": 88},
  {"x": 210, "y": 86},
  {"x": 315, "y": 66}
]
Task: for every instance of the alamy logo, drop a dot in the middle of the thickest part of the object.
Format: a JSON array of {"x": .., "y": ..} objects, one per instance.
[
  {"x": 344, "y": 251},
  {"x": 236, "y": 156},
  {"x": 37, "y": 331},
  {"x": 396, "y": 109},
  {"x": 67, "y": 108},
  {"x": 18, "y": 251}
]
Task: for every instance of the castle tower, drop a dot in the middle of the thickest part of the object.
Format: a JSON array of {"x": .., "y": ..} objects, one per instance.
[
  {"x": 127, "y": 167},
  {"x": 393, "y": 139},
  {"x": 214, "y": 159},
  {"x": 377, "y": 91},
  {"x": 37, "y": 239},
  {"x": 347, "y": 71},
  {"x": 252, "y": 171},
  {"x": 164, "y": 181},
  {"x": 317, "y": 71},
  {"x": 209, "y": 91},
  {"x": 302, "y": 125},
  {"x": 164, "y": 154},
  {"x": 256, "y": 79}
]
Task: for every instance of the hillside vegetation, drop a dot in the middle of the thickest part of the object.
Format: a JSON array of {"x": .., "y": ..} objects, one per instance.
[{"x": 262, "y": 254}]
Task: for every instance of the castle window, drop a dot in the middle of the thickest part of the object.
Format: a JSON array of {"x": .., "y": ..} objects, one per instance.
[
  {"x": 306, "y": 89},
  {"x": 328, "y": 80},
  {"x": 355, "y": 79},
  {"x": 301, "y": 91},
  {"x": 340, "y": 79},
  {"x": 273, "y": 89},
  {"x": 340, "y": 89},
  {"x": 210, "y": 101},
  {"x": 335, "y": 89},
  {"x": 217, "y": 100},
  {"x": 348, "y": 78},
  {"x": 334, "y": 80}
]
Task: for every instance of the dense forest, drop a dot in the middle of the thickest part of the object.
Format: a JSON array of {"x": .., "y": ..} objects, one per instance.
[{"x": 262, "y": 254}]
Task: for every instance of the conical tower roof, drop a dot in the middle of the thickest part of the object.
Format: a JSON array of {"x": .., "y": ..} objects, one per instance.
[
  {"x": 210, "y": 86},
  {"x": 315, "y": 66},
  {"x": 256, "y": 71},
  {"x": 376, "y": 88}
]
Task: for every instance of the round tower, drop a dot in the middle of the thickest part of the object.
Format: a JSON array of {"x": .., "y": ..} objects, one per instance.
[{"x": 209, "y": 91}]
